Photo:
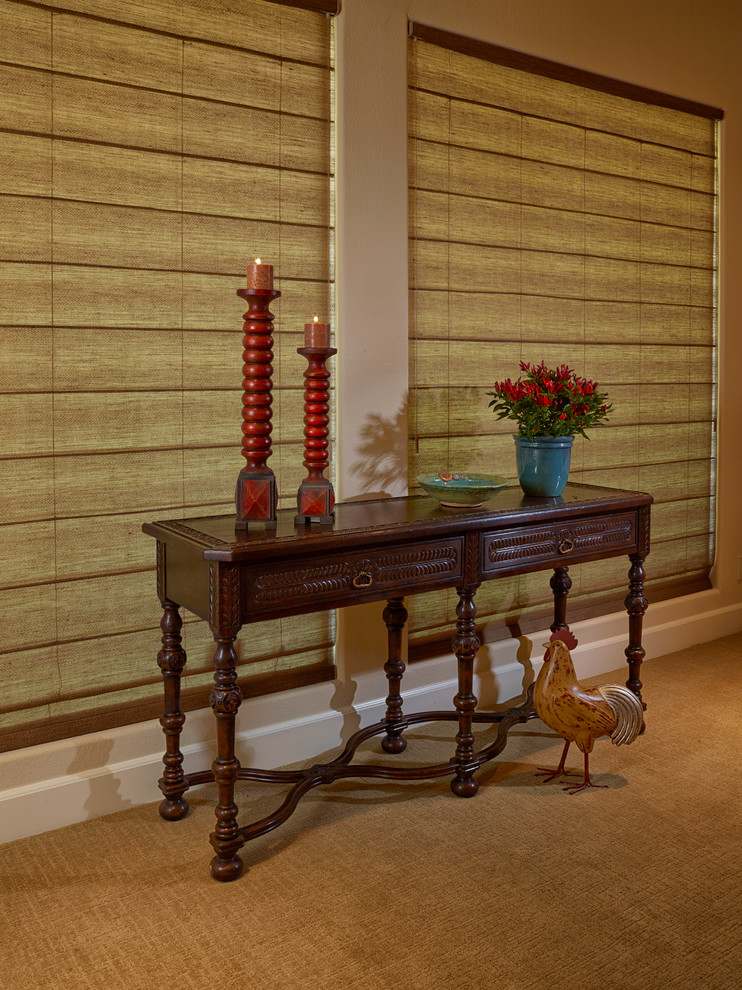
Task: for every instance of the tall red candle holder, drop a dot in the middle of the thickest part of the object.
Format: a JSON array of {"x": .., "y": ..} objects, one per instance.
[
  {"x": 256, "y": 495},
  {"x": 316, "y": 497}
]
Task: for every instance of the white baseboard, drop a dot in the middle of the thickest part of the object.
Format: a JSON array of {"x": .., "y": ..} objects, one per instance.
[{"x": 49, "y": 804}]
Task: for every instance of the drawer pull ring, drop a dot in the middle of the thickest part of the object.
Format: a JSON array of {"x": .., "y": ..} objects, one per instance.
[
  {"x": 566, "y": 546},
  {"x": 363, "y": 580}
]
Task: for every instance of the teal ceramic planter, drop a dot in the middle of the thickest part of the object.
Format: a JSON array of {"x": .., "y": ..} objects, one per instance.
[{"x": 543, "y": 464}]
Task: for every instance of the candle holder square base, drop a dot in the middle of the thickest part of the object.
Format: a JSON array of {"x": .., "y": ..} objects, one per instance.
[
  {"x": 315, "y": 502},
  {"x": 256, "y": 499}
]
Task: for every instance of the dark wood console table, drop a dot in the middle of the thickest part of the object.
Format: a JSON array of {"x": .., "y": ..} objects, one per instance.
[{"x": 382, "y": 549}]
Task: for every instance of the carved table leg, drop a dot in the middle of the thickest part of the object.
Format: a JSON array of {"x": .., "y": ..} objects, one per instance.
[
  {"x": 560, "y": 584},
  {"x": 225, "y": 700},
  {"x": 465, "y": 646},
  {"x": 636, "y": 606},
  {"x": 395, "y": 616},
  {"x": 171, "y": 660}
]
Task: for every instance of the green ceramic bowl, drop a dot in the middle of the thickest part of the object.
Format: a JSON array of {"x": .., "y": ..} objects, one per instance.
[{"x": 461, "y": 489}]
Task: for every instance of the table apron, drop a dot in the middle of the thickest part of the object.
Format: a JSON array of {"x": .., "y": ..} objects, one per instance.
[{"x": 335, "y": 580}]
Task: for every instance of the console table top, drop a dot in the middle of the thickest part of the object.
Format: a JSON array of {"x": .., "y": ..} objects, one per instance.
[{"x": 379, "y": 519}]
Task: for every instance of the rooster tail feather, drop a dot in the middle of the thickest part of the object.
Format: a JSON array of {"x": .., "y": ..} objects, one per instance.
[{"x": 628, "y": 711}]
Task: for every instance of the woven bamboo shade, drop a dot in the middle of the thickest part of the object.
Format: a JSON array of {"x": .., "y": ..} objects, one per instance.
[
  {"x": 148, "y": 153},
  {"x": 569, "y": 218}
]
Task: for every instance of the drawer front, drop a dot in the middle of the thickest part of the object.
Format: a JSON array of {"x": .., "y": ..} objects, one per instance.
[
  {"x": 558, "y": 544},
  {"x": 340, "y": 579}
]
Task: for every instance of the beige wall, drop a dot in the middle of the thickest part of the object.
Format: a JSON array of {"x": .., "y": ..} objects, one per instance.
[{"x": 685, "y": 47}]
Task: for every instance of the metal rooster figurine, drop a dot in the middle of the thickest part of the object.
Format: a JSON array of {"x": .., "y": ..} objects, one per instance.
[{"x": 581, "y": 714}]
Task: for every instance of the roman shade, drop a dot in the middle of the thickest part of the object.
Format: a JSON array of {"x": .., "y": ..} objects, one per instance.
[
  {"x": 148, "y": 152},
  {"x": 561, "y": 216}
]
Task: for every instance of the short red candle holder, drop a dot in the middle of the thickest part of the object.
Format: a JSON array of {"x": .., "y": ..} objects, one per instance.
[
  {"x": 316, "y": 497},
  {"x": 256, "y": 496}
]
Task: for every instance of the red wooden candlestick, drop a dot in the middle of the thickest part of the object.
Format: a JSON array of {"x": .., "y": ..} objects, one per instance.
[
  {"x": 256, "y": 496},
  {"x": 315, "y": 498}
]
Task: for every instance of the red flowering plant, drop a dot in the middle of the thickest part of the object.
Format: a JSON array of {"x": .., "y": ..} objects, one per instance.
[{"x": 547, "y": 402}]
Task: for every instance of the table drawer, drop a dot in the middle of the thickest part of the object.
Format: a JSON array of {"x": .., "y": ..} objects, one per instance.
[
  {"x": 381, "y": 573},
  {"x": 558, "y": 544}
]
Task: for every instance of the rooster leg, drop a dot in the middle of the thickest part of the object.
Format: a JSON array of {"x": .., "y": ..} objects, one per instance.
[
  {"x": 576, "y": 788},
  {"x": 549, "y": 774}
]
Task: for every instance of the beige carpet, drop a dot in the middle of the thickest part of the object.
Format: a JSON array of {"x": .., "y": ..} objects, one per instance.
[{"x": 524, "y": 887}]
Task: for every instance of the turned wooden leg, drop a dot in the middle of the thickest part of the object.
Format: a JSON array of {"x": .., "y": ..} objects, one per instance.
[
  {"x": 560, "y": 584},
  {"x": 465, "y": 646},
  {"x": 636, "y": 606},
  {"x": 225, "y": 700},
  {"x": 171, "y": 660},
  {"x": 395, "y": 616}
]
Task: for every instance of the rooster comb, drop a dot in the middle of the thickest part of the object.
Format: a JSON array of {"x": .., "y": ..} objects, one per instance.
[{"x": 566, "y": 636}]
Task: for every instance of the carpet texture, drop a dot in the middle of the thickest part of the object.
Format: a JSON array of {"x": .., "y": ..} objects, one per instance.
[{"x": 384, "y": 885}]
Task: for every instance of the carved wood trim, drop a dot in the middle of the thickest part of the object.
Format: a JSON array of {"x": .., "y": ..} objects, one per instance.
[
  {"x": 224, "y": 599},
  {"x": 643, "y": 532},
  {"x": 161, "y": 572},
  {"x": 201, "y": 538},
  {"x": 472, "y": 558}
]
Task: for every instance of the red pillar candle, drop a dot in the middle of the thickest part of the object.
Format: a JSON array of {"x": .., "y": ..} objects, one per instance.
[
  {"x": 316, "y": 334},
  {"x": 256, "y": 496},
  {"x": 316, "y": 498},
  {"x": 259, "y": 276}
]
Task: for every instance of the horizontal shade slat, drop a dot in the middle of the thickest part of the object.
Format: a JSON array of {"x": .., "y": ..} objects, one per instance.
[
  {"x": 473, "y": 365},
  {"x": 93, "y": 234},
  {"x": 26, "y": 103},
  {"x": 510, "y": 132},
  {"x": 104, "y": 422},
  {"x": 77, "y": 716},
  {"x": 114, "y": 175},
  {"x": 25, "y": 34},
  {"x": 439, "y": 217},
  {"x": 84, "y": 361},
  {"x": 135, "y": 57},
  {"x": 95, "y": 297},
  {"x": 282, "y": 31}
]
